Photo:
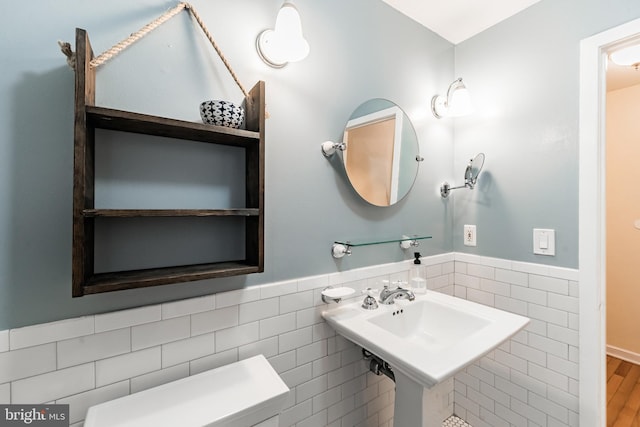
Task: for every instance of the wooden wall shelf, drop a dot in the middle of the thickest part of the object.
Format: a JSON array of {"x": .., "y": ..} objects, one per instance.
[
  {"x": 136, "y": 213},
  {"x": 89, "y": 117}
]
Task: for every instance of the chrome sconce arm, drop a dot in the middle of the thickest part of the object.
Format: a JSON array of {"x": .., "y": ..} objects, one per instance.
[
  {"x": 446, "y": 188},
  {"x": 470, "y": 176}
]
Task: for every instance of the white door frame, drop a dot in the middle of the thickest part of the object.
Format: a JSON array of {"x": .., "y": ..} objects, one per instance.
[{"x": 592, "y": 221}]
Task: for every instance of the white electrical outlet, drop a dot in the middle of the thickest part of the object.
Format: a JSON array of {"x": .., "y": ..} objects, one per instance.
[{"x": 470, "y": 235}]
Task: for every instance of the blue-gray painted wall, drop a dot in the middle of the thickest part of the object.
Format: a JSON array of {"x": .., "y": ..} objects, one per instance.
[
  {"x": 360, "y": 49},
  {"x": 523, "y": 73},
  {"x": 524, "y": 76}
]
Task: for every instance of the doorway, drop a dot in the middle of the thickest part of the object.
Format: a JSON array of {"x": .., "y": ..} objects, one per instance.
[
  {"x": 592, "y": 218},
  {"x": 622, "y": 243}
]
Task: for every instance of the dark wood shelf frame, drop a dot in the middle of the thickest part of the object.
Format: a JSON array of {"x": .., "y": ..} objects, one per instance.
[
  {"x": 138, "y": 213},
  {"x": 89, "y": 117},
  {"x": 121, "y": 280},
  {"x": 126, "y": 121}
]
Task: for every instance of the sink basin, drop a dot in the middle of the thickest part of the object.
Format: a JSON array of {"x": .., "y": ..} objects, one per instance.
[
  {"x": 427, "y": 323},
  {"x": 428, "y": 339}
]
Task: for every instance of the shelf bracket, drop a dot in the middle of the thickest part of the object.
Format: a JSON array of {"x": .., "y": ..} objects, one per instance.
[{"x": 338, "y": 250}]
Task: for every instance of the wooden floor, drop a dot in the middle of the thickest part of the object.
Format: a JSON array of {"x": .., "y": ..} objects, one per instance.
[{"x": 623, "y": 393}]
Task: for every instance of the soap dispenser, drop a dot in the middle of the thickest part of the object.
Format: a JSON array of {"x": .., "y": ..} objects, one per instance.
[{"x": 418, "y": 276}]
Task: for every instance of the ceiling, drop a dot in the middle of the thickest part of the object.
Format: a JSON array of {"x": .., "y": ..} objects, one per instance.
[
  {"x": 458, "y": 20},
  {"x": 619, "y": 77}
]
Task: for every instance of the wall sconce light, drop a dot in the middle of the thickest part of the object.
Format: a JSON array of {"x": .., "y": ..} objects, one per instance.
[
  {"x": 627, "y": 57},
  {"x": 285, "y": 43},
  {"x": 457, "y": 102}
]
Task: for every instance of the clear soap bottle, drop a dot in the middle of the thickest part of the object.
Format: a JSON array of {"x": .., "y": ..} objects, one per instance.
[{"x": 418, "y": 276}]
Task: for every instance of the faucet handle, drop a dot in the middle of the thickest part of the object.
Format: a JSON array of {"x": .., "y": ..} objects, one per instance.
[
  {"x": 369, "y": 302},
  {"x": 398, "y": 284}
]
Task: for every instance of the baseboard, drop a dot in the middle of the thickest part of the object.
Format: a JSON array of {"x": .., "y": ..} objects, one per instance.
[{"x": 623, "y": 354}]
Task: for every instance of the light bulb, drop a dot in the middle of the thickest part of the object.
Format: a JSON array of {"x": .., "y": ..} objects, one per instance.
[
  {"x": 629, "y": 56},
  {"x": 285, "y": 43},
  {"x": 460, "y": 103}
]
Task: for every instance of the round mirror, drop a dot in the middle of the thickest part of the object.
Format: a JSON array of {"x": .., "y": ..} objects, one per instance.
[
  {"x": 381, "y": 154},
  {"x": 473, "y": 170}
]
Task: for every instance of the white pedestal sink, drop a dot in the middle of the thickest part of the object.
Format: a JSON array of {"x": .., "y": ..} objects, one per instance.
[{"x": 425, "y": 341}]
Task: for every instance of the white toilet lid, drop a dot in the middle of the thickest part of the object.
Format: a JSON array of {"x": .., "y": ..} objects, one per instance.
[{"x": 240, "y": 394}]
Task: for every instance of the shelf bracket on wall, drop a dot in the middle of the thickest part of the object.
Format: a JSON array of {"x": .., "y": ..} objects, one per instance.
[{"x": 338, "y": 250}]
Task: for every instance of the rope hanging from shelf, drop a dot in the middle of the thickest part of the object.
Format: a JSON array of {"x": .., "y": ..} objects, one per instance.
[{"x": 65, "y": 47}]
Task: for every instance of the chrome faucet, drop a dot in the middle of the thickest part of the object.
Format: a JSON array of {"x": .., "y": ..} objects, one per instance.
[{"x": 388, "y": 296}]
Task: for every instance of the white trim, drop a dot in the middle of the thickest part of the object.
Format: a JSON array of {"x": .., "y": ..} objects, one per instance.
[
  {"x": 506, "y": 264},
  {"x": 376, "y": 116},
  {"x": 623, "y": 354},
  {"x": 592, "y": 260}
]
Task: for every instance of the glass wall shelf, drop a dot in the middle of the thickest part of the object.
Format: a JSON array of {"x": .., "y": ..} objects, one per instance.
[{"x": 341, "y": 248}]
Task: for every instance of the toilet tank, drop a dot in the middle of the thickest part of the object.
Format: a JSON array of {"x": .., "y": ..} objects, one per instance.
[{"x": 244, "y": 393}]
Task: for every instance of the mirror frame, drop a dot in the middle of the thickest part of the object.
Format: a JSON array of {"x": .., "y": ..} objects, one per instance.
[{"x": 405, "y": 135}]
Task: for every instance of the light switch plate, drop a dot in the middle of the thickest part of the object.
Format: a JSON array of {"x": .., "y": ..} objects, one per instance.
[{"x": 544, "y": 241}]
